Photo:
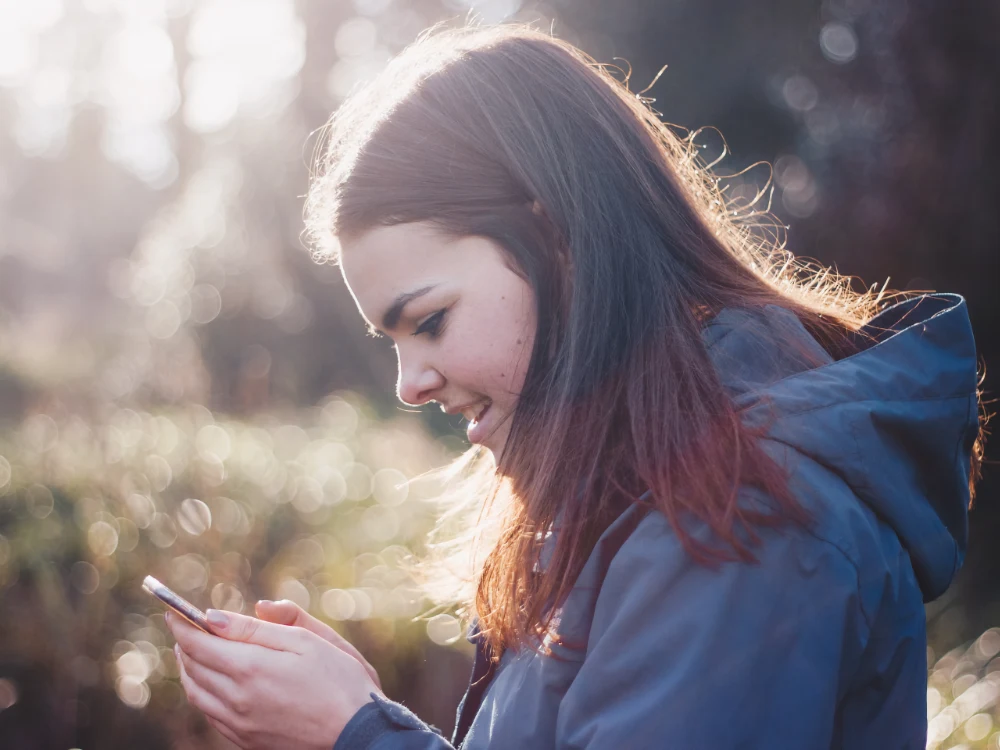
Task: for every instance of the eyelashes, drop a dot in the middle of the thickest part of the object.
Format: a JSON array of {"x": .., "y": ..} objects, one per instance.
[{"x": 432, "y": 325}]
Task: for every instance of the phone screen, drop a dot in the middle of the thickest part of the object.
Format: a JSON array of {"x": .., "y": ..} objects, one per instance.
[{"x": 177, "y": 603}]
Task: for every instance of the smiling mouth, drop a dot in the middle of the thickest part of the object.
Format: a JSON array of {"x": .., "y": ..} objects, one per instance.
[
  {"x": 478, "y": 431},
  {"x": 475, "y": 412}
]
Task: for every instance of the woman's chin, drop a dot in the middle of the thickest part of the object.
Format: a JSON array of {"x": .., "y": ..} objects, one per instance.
[{"x": 492, "y": 442}]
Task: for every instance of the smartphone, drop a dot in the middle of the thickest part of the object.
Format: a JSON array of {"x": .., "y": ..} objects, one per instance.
[{"x": 177, "y": 603}]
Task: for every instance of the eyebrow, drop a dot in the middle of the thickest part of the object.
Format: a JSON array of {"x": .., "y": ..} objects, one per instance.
[{"x": 392, "y": 315}]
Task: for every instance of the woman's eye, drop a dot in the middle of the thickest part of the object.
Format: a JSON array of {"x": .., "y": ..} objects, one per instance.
[{"x": 431, "y": 324}]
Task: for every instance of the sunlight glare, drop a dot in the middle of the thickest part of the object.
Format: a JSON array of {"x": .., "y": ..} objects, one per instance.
[{"x": 245, "y": 53}]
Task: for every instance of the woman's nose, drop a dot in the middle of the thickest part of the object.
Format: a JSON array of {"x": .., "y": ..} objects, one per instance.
[{"x": 418, "y": 381}]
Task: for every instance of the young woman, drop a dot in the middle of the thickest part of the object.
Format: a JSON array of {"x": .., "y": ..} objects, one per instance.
[{"x": 723, "y": 486}]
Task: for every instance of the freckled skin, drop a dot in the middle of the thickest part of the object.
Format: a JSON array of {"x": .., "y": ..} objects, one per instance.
[{"x": 488, "y": 327}]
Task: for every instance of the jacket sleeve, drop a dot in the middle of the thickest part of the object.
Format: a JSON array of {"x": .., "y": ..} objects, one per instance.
[
  {"x": 385, "y": 725},
  {"x": 740, "y": 656}
]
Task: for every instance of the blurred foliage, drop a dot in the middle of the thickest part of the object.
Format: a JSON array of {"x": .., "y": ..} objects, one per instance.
[{"x": 183, "y": 393}]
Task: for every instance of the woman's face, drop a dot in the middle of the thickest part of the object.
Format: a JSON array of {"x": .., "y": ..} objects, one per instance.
[{"x": 462, "y": 321}]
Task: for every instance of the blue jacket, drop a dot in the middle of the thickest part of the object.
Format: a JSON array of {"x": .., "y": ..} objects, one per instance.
[{"x": 820, "y": 645}]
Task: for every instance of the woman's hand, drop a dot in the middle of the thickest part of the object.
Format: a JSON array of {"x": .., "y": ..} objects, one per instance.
[
  {"x": 285, "y": 612},
  {"x": 264, "y": 685}
]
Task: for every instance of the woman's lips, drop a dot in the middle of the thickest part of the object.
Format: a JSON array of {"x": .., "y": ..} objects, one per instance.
[{"x": 478, "y": 430}]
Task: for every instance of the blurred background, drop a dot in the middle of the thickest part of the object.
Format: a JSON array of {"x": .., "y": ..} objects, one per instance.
[{"x": 184, "y": 393}]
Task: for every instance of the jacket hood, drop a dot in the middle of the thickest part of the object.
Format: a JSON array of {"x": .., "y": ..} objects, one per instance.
[{"x": 896, "y": 421}]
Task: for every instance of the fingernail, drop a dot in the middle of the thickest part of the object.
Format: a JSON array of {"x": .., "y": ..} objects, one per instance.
[
  {"x": 217, "y": 619},
  {"x": 265, "y": 601},
  {"x": 177, "y": 652},
  {"x": 166, "y": 617}
]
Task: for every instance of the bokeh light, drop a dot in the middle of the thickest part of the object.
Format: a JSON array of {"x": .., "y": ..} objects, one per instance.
[
  {"x": 838, "y": 42},
  {"x": 443, "y": 629},
  {"x": 8, "y": 693}
]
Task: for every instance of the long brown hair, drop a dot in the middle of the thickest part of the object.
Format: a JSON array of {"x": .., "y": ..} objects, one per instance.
[{"x": 634, "y": 249}]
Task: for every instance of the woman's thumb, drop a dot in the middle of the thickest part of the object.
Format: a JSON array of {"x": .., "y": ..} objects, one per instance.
[{"x": 282, "y": 612}]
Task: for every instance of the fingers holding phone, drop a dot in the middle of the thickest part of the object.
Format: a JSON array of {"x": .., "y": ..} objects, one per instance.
[
  {"x": 177, "y": 603},
  {"x": 285, "y": 612}
]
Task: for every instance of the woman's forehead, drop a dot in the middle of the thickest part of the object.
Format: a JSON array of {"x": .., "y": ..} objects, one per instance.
[
  {"x": 390, "y": 256},
  {"x": 390, "y": 260}
]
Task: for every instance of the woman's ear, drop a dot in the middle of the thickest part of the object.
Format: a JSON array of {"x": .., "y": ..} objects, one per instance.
[{"x": 536, "y": 209}]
